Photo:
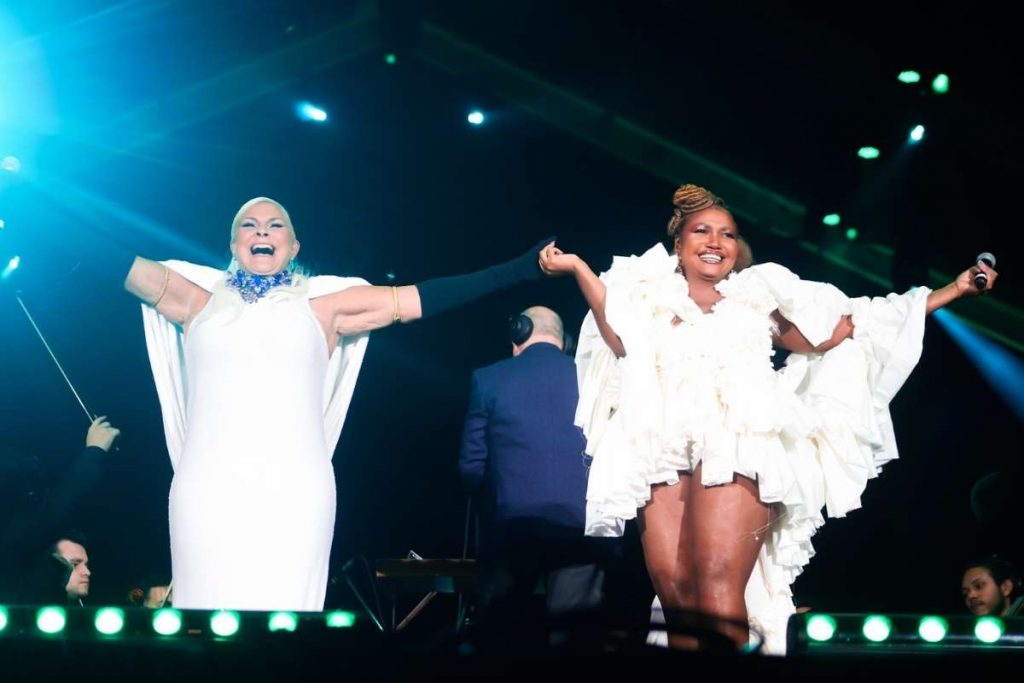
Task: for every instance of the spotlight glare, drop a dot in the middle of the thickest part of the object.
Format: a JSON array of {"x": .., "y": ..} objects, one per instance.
[
  {"x": 851, "y": 234},
  {"x": 11, "y": 266},
  {"x": 51, "y": 620},
  {"x": 310, "y": 112},
  {"x": 283, "y": 621},
  {"x": 3, "y": 618},
  {"x": 868, "y": 153},
  {"x": 831, "y": 219},
  {"x": 476, "y": 117},
  {"x": 877, "y": 628},
  {"x": 340, "y": 619},
  {"x": 224, "y": 623},
  {"x": 940, "y": 84},
  {"x": 391, "y": 59},
  {"x": 933, "y": 629},
  {"x": 909, "y": 77},
  {"x": 109, "y": 621},
  {"x": 917, "y": 133},
  {"x": 11, "y": 164},
  {"x": 167, "y": 621},
  {"x": 989, "y": 629},
  {"x": 821, "y": 627}
]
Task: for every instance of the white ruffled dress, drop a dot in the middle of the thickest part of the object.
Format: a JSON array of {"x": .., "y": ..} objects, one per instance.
[{"x": 698, "y": 388}]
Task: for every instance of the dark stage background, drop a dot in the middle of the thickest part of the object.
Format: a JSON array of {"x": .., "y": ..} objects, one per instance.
[{"x": 148, "y": 123}]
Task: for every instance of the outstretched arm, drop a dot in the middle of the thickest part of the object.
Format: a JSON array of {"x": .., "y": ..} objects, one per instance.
[
  {"x": 554, "y": 262},
  {"x": 362, "y": 309},
  {"x": 789, "y": 337},
  {"x": 963, "y": 285},
  {"x": 173, "y": 296}
]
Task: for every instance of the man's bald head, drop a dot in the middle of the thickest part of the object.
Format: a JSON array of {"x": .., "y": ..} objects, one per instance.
[{"x": 547, "y": 327}]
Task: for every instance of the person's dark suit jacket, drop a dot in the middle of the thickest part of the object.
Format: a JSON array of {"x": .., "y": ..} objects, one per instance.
[{"x": 523, "y": 456}]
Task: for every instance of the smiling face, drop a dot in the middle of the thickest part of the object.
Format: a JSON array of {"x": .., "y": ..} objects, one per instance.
[
  {"x": 707, "y": 245},
  {"x": 262, "y": 239}
]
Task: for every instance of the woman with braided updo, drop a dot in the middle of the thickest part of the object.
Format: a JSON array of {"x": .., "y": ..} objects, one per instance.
[{"x": 729, "y": 462}]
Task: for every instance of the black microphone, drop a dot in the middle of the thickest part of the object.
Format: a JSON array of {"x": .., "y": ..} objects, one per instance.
[{"x": 980, "y": 279}]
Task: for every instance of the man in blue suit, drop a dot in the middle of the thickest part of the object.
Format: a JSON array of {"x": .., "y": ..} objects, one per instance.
[{"x": 523, "y": 458}]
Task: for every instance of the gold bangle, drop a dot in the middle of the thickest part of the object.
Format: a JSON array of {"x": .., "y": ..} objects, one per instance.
[
  {"x": 397, "y": 312},
  {"x": 167, "y": 279}
]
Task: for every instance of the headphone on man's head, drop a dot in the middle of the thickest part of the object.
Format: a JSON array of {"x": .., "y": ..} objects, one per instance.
[{"x": 520, "y": 327}]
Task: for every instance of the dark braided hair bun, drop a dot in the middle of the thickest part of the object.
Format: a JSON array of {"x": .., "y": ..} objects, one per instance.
[{"x": 688, "y": 200}]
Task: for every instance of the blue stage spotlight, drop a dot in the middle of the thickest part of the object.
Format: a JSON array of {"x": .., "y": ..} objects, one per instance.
[
  {"x": 12, "y": 266},
  {"x": 310, "y": 112},
  {"x": 1003, "y": 370},
  {"x": 476, "y": 117}
]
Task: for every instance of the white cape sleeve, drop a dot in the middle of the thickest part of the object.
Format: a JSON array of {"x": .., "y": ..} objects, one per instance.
[{"x": 165, "y": 344}]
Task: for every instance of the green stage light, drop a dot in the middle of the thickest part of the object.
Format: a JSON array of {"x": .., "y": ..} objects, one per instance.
[
  {"x": 340, "y": 619},
  {"x": 109, "y": 621},
  {"x": 831, "y": 219},
  {"x": 877, "y": 628},
  {"x": 933, "y": 629},
  {"x": 917, "y": 133},
  {"x": 51, "y": 620},
  {"x": 821, "y": 627},
  {"x": 909, "y": 77},
  {"x": 224, "y": 623},
  {"x": 167, "y": 621},
  {"x": 989, "y": 629},
  {"x": 940, "y": 84},
  {"x": 868, "y": 153},
  {"x": 895, "y": 634},
  {"x": 390, "y": 59},
  {"x": 851, "y": 234},
  {"x": 283, "y": 621},
  {"x": 3, "y": 618}
]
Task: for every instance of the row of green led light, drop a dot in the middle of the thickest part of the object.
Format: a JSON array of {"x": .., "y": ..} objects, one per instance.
[
  {"x": 940, "y": 86},
  {"x": 168, "y": 621},
  {"x": 877, "y": 628},
  {"x": 834, "y": 219}
]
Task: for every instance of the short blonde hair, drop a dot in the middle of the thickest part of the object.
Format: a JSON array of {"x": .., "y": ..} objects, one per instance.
[{"x": 260, "y": 200}]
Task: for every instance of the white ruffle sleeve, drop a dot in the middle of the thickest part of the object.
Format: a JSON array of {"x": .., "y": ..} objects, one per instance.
[{"x": 826, "y": 432}]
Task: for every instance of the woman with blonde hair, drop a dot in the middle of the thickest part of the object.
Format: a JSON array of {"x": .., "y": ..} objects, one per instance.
[{"x": 255, "y": 368}]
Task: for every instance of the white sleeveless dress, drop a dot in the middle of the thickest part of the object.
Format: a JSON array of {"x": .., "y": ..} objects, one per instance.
[
  {"x": 252, "y": 502},
  {"x": 703, "y": 391}
]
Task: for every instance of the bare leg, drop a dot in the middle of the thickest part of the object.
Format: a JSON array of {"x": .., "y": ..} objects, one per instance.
[
  {"x": 726, "y": 525},
  {"x": 667, "y": 555}
]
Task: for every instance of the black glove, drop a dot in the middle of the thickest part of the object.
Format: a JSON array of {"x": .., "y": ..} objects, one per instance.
[{"x": 445, "y": 293}]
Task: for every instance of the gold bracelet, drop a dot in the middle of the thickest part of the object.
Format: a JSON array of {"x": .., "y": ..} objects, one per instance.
[
  {"x": 397, "y": 312},
  {"x": 167, "y": 279}
]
